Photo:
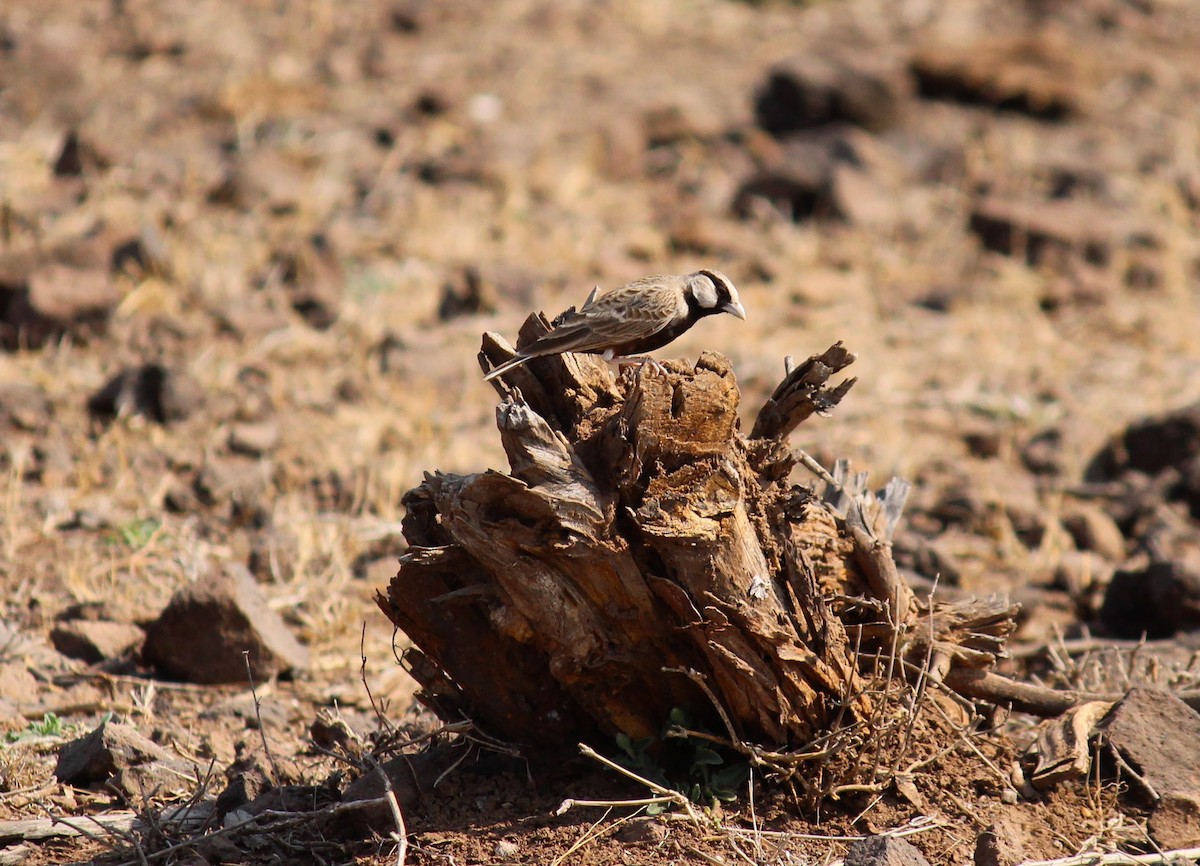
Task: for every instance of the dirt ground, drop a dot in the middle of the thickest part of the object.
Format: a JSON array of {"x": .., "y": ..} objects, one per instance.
[{"x": 305, "y": 214}]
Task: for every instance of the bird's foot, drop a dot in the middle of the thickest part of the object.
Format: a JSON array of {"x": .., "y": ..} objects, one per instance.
[{"x": 640, "y": 363}]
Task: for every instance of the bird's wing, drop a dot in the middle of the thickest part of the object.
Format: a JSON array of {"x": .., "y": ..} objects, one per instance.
[{"x": 634, "y": 311}]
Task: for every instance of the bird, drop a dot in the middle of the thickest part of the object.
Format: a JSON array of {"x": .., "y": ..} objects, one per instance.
[{"x": 638, "y": 317}]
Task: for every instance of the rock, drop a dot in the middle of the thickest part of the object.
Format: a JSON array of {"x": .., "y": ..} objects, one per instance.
[
  {"x": 1044, "y": 75},
  {"x": 55, "y": 298},
  {"x": 292, "y": 798},
  {"x": 996, "y": 846},
  {"x": 1056, "y": 232},
  {"x": 77, "y": 157},
  {"x": 409, "y": 776},
  {"x": 809, "y": 90},
  {"x": 466, "y": 293},
  {"x": 642, "y": 831},
  {"x": 253, "y": 440},
  {"x": 117, "y": 754},
  {"x": 1042, "y": 454},
  {"x": 884, "y": 851},
  {"x": 92, "y": 642},
  {"x": 151, "y": 390},
  {"x": 1094, "y": 531},
  {"x": 1159, "y": 736},
  {"x": 1176, "y": 822},
  {"x": 837, "y": 172},
  {"x": 1150, "y": 445},
  {"x": 202, "y": 634},
  {"x": 245, "y": 785},
  {"x": 1158, "y": 600}
]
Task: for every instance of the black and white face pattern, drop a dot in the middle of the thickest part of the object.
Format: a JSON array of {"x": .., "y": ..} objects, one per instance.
[{"x": 711, "y": 292}]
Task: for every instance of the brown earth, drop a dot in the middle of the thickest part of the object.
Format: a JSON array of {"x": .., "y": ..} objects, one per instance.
[{"x": 293, "y": 221}]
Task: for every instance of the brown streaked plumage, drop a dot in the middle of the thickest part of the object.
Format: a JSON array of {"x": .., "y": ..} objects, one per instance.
[{"x": 636, "y": 318}]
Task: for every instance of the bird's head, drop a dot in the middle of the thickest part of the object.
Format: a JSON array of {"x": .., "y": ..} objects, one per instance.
[{"x": 713, "y": 292}]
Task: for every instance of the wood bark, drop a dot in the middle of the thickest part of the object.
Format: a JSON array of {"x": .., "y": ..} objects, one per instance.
[{"x": 642, "y": 554}]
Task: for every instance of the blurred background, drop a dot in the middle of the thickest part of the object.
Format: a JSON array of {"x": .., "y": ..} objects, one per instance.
[{"x": 247, "y": 250}]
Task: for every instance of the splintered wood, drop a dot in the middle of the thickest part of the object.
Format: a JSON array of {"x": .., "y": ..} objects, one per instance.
[{"x": 642, "y": 554}]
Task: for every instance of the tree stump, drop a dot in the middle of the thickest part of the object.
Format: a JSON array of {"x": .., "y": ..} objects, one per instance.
[{"x": 642, "y": 554}]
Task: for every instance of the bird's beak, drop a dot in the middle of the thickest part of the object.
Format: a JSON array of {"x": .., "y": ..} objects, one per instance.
[{"x": 735, "y": 309}]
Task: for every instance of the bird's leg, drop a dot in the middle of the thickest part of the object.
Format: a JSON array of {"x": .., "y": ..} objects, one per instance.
[{"x": 641, "y": 362}]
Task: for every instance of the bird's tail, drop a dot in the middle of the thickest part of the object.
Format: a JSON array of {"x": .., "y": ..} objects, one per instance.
[{"x": 510, "y": 364}]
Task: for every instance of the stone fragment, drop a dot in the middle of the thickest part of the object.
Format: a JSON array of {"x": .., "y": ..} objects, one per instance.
[
  {"x": 1158, "y": 735},
  {"x": 1044, "y": 75},
  {"x": 208, "y": 626},
  {"x": 815, "y": 89},
  {"x": 1157, "y": 600},
  {"x": 117, "y": 754},
  {"x": 1094, "y": 531},
  {"x": 1056, "y": 232},
  {"x": 53, "y": 298},
  {"x": 884, "y": 851},
  {"x": 92, "y": 641},
  {"x": 151, "y": 390},
  {"x": 254, "y": 440}
]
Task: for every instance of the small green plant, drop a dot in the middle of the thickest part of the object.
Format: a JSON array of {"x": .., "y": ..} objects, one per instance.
[
  {"x": 706, "y": 773},
  {"x": 50, "y": 726},
  {"x": 135, "y": 534}
]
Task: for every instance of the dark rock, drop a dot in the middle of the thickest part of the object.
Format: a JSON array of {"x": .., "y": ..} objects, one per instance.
[
  {"x": 1043, "y": 453},
  {"x": 812, "y": 90},
  {"x": 408, "y": 775},
  {"x": 836, "y": 172},
  {"x": 91, "y": 641},
  {"x": 1158, "y": 601},
  {"x": 1045, "y": 76},
  {"x": 76, "y": 157},
  {"x": 884, "y": 851},
  {"x": 151, "y": 390},
  {"x": 466, "y": 294},
  {"x": 1057, "y": 232},
  {"x": 207, "y": 627},
  {"x": 292, "y": 798},
  {"x": 984, "y": 443},
  {"x": 1150, "y": 445},
  {"x": 108, "y": 751},
  {"x": 408, "y": 16},
  {"x": 1159, "y": 736},
  {"x": 52, "y": 299},
  {"x": 245, "y": 785}
]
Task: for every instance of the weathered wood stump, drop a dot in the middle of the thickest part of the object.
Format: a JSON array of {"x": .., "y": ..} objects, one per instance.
[{"x": 643, "y": 554}]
